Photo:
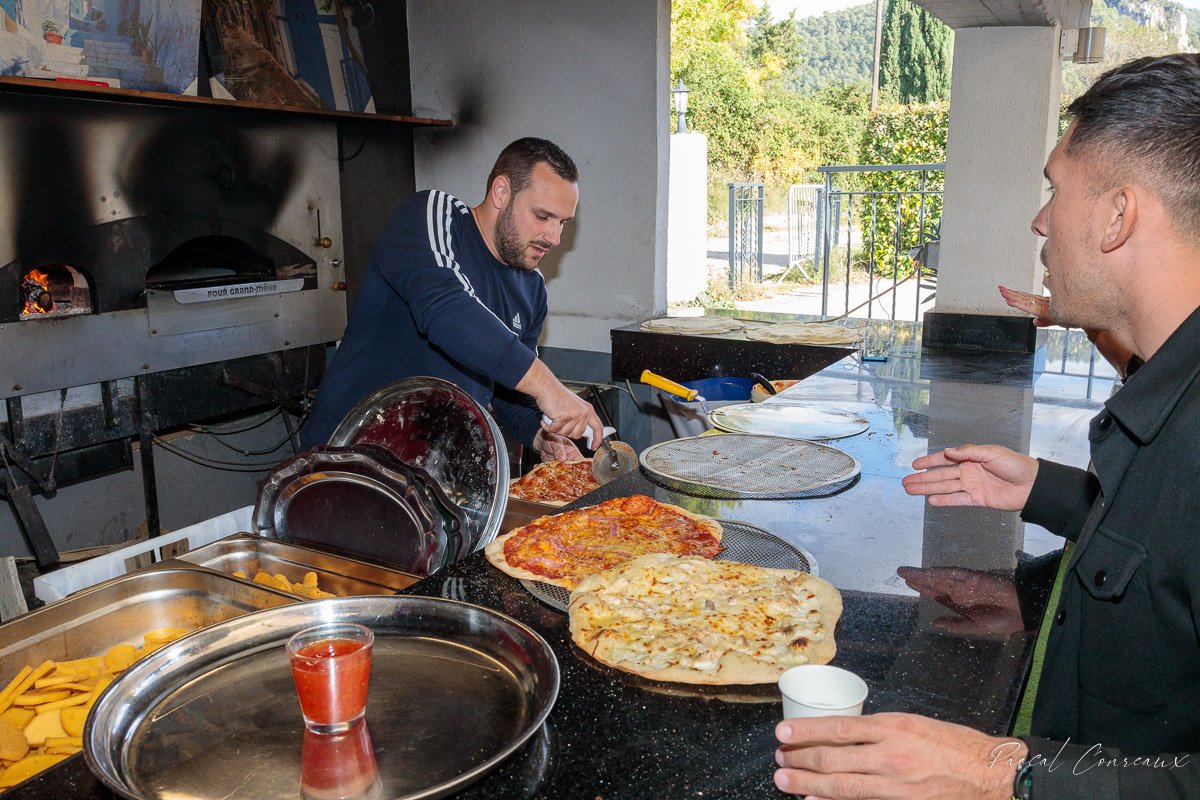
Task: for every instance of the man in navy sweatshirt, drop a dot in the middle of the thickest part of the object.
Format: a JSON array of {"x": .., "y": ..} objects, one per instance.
[{"x": 454, "y": 292}]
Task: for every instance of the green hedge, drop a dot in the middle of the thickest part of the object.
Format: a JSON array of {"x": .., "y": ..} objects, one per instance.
[{"x": 901, "y": 135}]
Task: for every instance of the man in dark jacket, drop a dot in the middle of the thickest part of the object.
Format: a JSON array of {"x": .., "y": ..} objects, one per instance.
[
  {"x": 1115, "y": 714},
  {"x": 454, "y": 292}
]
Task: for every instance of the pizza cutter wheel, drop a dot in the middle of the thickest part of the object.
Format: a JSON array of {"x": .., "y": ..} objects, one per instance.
[{"x": 611, "y": 459}]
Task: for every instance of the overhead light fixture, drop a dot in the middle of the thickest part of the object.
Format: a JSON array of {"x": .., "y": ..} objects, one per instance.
[
  {"x": 679, "y": 97},
  {"x": 1082, "y": 45}
]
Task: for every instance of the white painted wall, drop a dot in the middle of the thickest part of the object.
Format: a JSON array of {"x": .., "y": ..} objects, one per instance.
[
  {"x": 1003, "y": 123},
  {"x": 591, "y": 77},
  {"x": 687, "y": 217}
]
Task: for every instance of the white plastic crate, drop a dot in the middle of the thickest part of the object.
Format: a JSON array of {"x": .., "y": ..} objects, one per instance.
[{"x": 62, "y": 582}]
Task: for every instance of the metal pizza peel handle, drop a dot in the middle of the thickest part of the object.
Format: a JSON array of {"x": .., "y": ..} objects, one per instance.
[{"x": 671, "y": 387}]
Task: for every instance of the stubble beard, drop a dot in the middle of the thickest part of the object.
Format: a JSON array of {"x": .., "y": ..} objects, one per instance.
[
  {"x": 1087, "y": 303},
  {"x": 508, "y": 242}
]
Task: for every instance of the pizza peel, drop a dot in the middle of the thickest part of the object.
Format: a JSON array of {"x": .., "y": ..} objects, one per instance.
[{"x": 677, "y": 389}]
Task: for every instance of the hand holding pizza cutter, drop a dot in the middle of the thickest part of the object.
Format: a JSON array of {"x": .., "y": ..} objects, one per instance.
[{"x": 617, "y": 459}]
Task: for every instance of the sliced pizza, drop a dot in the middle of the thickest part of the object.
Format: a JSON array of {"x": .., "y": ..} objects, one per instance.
[
  {"x": 555, "y": 483},
  {"x": 700, "y": 621},
  {"x": 564, "y": 548}
]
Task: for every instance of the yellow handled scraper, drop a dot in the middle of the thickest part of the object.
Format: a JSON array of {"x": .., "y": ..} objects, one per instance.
[{"x": 671, "y": 387}]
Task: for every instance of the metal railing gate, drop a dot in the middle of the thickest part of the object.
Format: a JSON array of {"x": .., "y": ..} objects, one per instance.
[{"x": 745, "y": 233}]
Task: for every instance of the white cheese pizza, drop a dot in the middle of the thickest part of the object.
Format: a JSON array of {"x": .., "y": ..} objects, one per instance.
[{"x": 702, "y": 621}]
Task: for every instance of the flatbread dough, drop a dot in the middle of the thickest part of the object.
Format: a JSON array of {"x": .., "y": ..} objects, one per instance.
[
  {"x": 697, "y": 326},
  {"x": 819, "y": 333}
]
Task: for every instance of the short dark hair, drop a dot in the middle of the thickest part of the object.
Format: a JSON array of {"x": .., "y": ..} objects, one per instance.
[
  {"x": 518, "y": 160},
  {"x": 1146, "y": 114}
]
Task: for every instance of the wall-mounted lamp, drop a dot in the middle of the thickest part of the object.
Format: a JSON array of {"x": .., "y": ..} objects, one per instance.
[
  {"x": 679, "y": 97},
  {"x": 1082, "y": 45}
]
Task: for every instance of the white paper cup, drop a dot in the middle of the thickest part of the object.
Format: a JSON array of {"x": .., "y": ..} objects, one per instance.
[{"x": 819, "y": 690}]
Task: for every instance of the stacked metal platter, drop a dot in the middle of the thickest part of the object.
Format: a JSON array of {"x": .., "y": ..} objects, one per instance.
[
  {"x": 363, "y": 502},
  {"x": 433, "y": 425},
  {"x": 746, "y": 466},
  {"x": 455, "y": 690}
]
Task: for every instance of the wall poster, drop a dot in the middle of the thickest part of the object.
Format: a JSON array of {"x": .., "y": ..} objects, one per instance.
[
  {"x": 290, "y": 52},
  {"x": 151, "y": 45}
]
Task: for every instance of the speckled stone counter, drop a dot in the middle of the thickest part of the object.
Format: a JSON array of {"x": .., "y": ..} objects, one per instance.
[
  {"x": 619, "y": 737},
  {"x": 684, "y": 357}
]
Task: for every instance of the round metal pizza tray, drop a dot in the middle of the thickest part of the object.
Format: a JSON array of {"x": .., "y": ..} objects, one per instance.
[
  {"x": 742, "y": 542},
  {"x": 789, "y": 420},
  {"x": 363, "y": 502},
  {"x": 433, "y": 424},
  {"x": 746, "y": 466},
  {"x": 455, "y": 690}
]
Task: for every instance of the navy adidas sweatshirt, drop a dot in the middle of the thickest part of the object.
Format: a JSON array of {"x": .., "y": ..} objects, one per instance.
[{"x": 435, "y": 301}]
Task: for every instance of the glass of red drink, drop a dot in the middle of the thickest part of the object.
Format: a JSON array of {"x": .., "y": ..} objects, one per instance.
[{"x": 331, "y": 665}]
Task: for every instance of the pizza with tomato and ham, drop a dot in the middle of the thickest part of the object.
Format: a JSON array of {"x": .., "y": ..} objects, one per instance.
[
  {"x": 563, "y": 549},
  {"x": 555, "y": 483}
]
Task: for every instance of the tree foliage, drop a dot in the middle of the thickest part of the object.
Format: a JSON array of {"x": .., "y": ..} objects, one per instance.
[
  {"x": 737, "y": 63},
  {"x": 775, "y": 47},
  {"x": 891, "y": 222},
  {"x": 836, "y": 48},
  {"x": 914, "y": 58}
]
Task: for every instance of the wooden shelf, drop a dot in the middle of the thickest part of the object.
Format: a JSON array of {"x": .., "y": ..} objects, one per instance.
[{"x": 108, "y": 93}]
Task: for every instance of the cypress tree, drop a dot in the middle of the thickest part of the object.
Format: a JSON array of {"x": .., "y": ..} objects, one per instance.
[{"x": 914, "y": 58}]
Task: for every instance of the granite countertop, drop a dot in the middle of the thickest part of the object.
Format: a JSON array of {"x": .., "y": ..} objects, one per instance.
[{"x": 616, "y": 736}]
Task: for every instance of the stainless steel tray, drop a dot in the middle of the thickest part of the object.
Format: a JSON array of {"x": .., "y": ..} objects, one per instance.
[
  {"x": 741, "y": 541},
  {"x": 121, "y": 610},
  {"x": 364, "y": 502},
  {"x": 433, "y": 424},
  {"x": 335, "y": 574},
  {"x": 739, "y": 465},
  {"x": 455, "y": 689}
]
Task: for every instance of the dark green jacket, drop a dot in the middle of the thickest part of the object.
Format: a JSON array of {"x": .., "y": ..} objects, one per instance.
[{"x": 1118, "y": 707}]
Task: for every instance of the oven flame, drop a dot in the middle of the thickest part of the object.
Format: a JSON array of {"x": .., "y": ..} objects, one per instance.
[{"x": 36, "y": 289}]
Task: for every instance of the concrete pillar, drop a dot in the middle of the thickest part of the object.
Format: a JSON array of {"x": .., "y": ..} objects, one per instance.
[
  {"x": 1006, "y": 89},
  {"x": 687, "y": 217}
]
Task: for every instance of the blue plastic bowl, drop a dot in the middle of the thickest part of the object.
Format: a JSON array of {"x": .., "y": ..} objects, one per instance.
[{"x": 717, "y": 389}]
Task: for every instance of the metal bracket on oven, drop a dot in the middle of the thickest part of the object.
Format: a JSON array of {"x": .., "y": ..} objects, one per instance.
[
  {"x": 278, "y": 398},
  {"x": 45, "y": 481},
  {"x": 19, "y": 496}
]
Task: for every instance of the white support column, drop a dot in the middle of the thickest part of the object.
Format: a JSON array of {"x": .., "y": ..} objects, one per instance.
[
  {"x": 1006, "y": 89},
  {"x": 687, "y": 218}
]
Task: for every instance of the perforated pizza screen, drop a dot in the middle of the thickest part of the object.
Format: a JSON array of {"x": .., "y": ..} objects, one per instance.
[{"x": 748, "y": 466}]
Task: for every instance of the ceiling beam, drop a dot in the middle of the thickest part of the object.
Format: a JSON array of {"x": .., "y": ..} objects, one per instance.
[{"x": 1020, "y": 13}]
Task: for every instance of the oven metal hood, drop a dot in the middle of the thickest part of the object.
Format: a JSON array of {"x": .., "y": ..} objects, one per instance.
[{"x": 113, "y": 190}]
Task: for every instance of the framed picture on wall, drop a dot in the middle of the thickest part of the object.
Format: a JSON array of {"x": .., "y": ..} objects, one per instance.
[
  {"x": 149, "y": 45},
  {"x": 289, "y": 52}
]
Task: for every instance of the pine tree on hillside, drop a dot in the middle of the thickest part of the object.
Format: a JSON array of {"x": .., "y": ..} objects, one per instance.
[
  {"x": 836, "y": 48},
  {"x": 914, "y": 56}
]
